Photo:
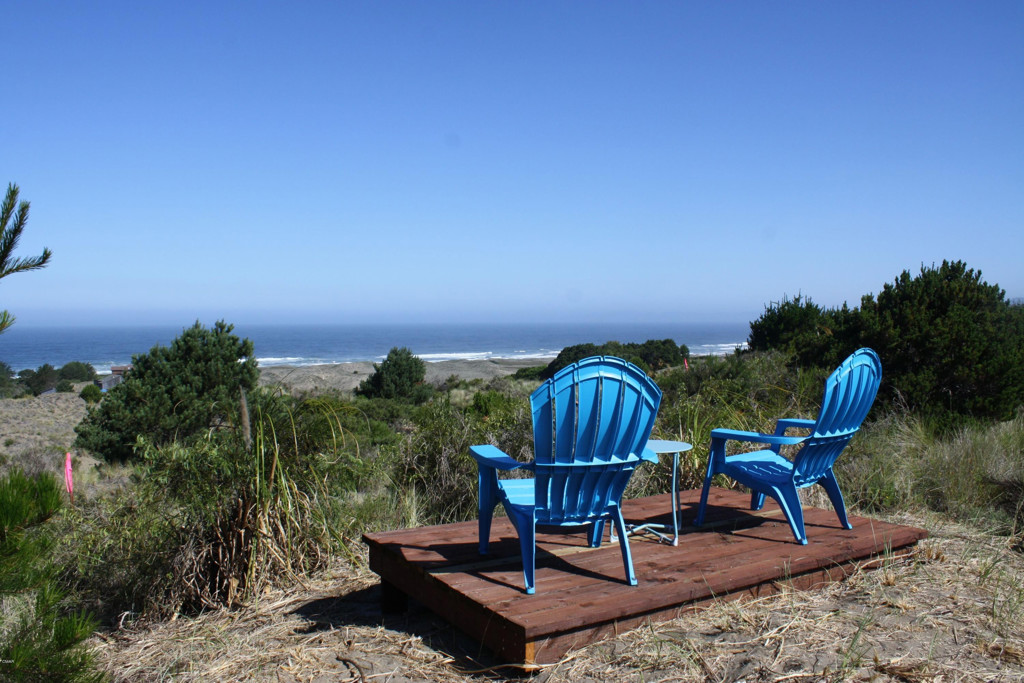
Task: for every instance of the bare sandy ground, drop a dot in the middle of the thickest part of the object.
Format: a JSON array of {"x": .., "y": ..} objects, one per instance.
[
  {"x": 35, "y": 432},
  {"x": 345, "y": 377}
]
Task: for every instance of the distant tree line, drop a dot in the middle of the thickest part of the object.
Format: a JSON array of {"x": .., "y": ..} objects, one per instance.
[
  {"x": 44, "y": 378},
  {"x": 650, "y": 356},
  {"x": 952, "y": 345}
]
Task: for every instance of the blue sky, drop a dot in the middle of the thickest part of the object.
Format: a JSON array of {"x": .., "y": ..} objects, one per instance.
[{"x": 522, "y": 161}]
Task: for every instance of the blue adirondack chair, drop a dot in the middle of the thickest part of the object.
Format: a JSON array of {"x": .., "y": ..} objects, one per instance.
[
  {"x": 849, "y": 392},
  {"x": 591, "y": 422}
]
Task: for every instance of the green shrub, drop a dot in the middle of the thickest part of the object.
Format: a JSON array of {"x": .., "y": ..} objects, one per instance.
[
  {"x": 741, "y": 391},
  {"x": 949, "y": 342},
  {"x": 434, "y": 459},
  {"x": 879, "y": 468},
  {"x": 435, "y": 462},
  {"x": 383, "y": 410},
  {"x": 65, "y": 387},
  {"x": 213, "y": 522},
  {"x": 399, "y": 376},
  {"x": 91, "y": 393},
  {"x": 6, "y": 373},
  {"x": 172, "y": 393},
  {"x": 533, "y": 373},
  {"x": 973, "y": 474},
  {"x": 10, "y": 386},
  {"x": 811, "y": 335},
  {"x": 951, "y": 345}
]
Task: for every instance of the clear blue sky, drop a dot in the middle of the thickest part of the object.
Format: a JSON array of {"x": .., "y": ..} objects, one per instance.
[{"x": 523, "y": 161}]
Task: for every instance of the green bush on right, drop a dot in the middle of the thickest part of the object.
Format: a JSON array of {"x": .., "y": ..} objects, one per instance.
[{"x": 952, "y": 345}]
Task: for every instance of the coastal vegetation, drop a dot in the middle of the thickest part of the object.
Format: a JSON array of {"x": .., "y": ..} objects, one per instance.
[
  {"x": 650, "y": 356},
  {"x": 173, "y": 393},
  {"x": 951, "y": 344},
  {"x": 45, "y": 378},
  {"x": 91, "y": 394},
  {"x": 212, "y": 492},
  {"x": 40, "y": 639},
  {"x": 400, "y": 376}
]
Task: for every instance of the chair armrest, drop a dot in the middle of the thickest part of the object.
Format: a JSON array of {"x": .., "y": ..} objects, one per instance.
[
  {"x": 792, "y": 423},
  {"x": 490, "y": 456},
  {"x": 649, "y": 455},
  {"x": 754, "y": 437}
]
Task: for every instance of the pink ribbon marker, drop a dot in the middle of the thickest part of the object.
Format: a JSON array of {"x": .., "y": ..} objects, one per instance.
[{"x": 67, "y": 477}]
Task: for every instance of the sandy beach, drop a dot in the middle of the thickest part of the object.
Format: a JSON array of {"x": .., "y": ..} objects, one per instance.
[{"x": 345, "y": 377}]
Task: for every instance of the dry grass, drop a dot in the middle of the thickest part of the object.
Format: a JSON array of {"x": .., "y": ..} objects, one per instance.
[
  {"x": 36, "y": 431},
  {"x": 952, "y": 611}
]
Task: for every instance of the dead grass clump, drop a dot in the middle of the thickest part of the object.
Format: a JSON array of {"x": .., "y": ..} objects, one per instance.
[
  {"x": 330, "y": 632},
  {"x": 210, "y": 523}
]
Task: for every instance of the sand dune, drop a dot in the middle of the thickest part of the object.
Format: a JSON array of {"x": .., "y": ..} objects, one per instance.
[{"x": 347, "y": 376}]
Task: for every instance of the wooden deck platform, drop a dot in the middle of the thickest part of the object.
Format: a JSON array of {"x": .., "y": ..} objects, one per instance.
[{"x": 581, "y": 594}]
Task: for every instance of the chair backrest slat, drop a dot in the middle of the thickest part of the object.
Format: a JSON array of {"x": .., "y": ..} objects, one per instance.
[
  {"x": 849, "y": 393},
  {"x": 597, "y": 413}
]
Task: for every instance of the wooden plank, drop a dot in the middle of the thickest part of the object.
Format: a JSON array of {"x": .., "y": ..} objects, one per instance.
[
  {"x": 490, "y": 627},
  {"x": 695, "y": 581},
  {"x": 608, "y": 564},
  {"x": 655, "y": 565},
  {"x": 549, "y": 648}
]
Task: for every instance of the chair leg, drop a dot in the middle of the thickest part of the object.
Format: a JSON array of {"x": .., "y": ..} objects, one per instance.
[
  {"x": 789, "y": 501},
  {"x": 484, "y": 528},
  {"x": 756, "y": 500},
  {"x": 627, "y": 558},
  {"x": 831, "y": 487},
  {"x": 487, "y": 490},
  {"x": 699, "y": 520},
  {"x": 596, "y": 533},
  {"x": 528, "y": 547}
]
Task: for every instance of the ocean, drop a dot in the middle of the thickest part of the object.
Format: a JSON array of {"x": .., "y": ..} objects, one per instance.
[{"x": 29, "y": 347}]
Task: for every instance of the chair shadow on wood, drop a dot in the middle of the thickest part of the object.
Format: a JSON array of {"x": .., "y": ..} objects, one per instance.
[
  {"x": 730, "y": 519},
  {"x": 505, "y": 557}
]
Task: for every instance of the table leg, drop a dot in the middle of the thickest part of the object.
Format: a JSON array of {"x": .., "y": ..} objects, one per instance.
[
  {"x": 676, "y": 514},
  {"x": 675, "y": 498}
]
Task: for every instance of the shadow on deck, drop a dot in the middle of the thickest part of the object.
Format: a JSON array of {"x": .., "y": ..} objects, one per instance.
[{"x": 582, "y": 596}]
